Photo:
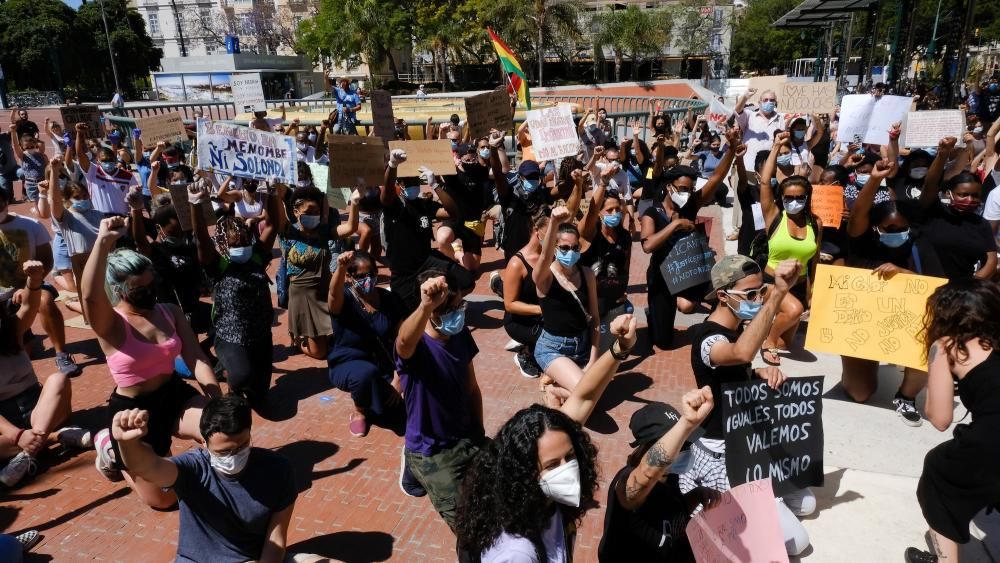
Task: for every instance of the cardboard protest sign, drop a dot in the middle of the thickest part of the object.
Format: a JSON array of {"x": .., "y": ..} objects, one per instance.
[
  {"x": 243, "y": 152},
  {"x": 553, "y": 133},
  {"x": 776, "y": 433},
  {"x": 320, "y": 175},
  {"x": 382, "y": 117},
  {"x": 89, "y": 114},
  {"x": 361, "y": 161},
  {"x": 166, "y": 127},
  {"x": 248, "y": 93},
  {"x": 808, "y": 97},
  {"x": 436, "y": 155},
  {"x": 926, "y": 128},
  {"x": 828, "y": 204},
  {"x": 689, "y": 262},
  {"x": 488, "y": 111},
  {"x": 765, "y": 83},
  {"x": 864, "y": 117},
  {"x": 179, "y": 198},
  {"x": 743, "y": 527},
  {"x": 860, "y": 315}
]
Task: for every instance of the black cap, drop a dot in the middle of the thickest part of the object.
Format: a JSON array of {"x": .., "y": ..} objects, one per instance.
[
  {"x": 652, "y": 421},
  {"x": 529, "y": 169}
]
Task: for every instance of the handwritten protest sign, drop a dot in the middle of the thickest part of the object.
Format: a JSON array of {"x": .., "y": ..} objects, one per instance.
[
  {"x": 359, "y": 162},
  {"x": 320, "y": 174},
  {"x": 179, "y": 197},
  {"x": 828, "y": 204},
  {"x": 382, "y": 115},
  {"x": 857, "y": 314},
  {"x": 166, "y": 127},
  {"x": 488, "y": 111},
  {"x": 776, "y": 433},
  {"x": 243, "y": 152},
  {"x": 248, "y": 93},
  {"x": 717, "y": 114},
  {"x": 553, "y": 134},
  {"x": 864, "y": 117},
  {"x": 435, "y": 155},
  {"x": 926, "y": 128},
  {"x": 89, "y": 114},
  {"x": 743, "y": 527},
  {"x": 765, "y": 83},
  {"x": 808, "y": 97},
  {"x": 689, "y": 262}
]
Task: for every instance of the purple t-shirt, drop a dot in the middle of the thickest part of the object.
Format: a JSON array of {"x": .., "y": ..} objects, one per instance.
[{"x": 436, "y": 387}]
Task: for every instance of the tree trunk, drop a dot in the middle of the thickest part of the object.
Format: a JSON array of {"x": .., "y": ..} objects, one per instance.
[
  {"x": 444, "y": 67},
  {"x": 541, "y": 46},
  {"x": 619, "y": 61}
]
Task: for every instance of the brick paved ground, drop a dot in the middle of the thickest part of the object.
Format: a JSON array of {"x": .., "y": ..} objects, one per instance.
[{"x": 350, "y": 506}]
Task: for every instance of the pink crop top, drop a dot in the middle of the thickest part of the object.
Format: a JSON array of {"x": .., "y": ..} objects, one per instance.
[{"x": 137, "y": 360}]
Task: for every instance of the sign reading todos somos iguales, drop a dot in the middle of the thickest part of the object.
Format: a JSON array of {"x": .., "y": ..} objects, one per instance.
[{"x": 243, "y": 152}]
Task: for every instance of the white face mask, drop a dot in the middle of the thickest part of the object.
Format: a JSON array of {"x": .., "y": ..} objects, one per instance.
[
  {"x": 680, "y": 198},
  {"x": 794, "y": 207},
  {"x": 918, "y": 172},
  {"x": 562, "y": 484},
  {"x": 233, "y": 464}
]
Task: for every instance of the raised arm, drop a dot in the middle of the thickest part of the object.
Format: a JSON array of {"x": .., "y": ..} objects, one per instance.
[
  {"x": 542, "y": 274},
  {"x": 589, "y": 227},
  {"x": 55, "y": 199},
  {"x": 15, "y": 144},
  {"x": 767, "y": 205},
  {"x": 858, "y": 222},
  {"x": 82, "y": 156},
  {"x": 208, "y": 255},
  {"x": 387, "y": 195},
  {"x": 497, "y": 164},
  {"x": 100, "y": 313},
  {"x": 742, "y": 182},
  {"x": 347, "y": 229},
  {"x": 35, "y": 271},
  {"x": 433, "y": 293},
  {"x": 588, "y": 391},
  {"x": 819, "y": 130},
  {"x": 335, "y": 298},
  {"x": 741, "y": 102},
  {"x": 273, "y": 214},
  {"x": 447, "y": 202},
  {"x": 932, "y": 182},
  {"x": 707, "y": 192}
]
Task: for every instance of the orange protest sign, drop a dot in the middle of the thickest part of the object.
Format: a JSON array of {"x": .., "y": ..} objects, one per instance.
[{"x": 828, "y": 204}]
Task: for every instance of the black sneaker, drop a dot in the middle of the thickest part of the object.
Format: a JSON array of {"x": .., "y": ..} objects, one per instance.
[
  {"x": 907, "y": 410},
  {"x": 407, "y": 482},
  {"x": 496, "y": 283},
  {"x": 66, "y": 364},
  {"x": 527, "y": 365},
  {"x": 914, "y": 555}
]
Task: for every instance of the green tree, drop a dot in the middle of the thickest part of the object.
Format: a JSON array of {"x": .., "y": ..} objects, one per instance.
[
  {"x": 758, "y": 46},
  {"x": 640, "y": 34},
  {"x": 40, "y": 43},
  {"x": 134, "y": 52}
]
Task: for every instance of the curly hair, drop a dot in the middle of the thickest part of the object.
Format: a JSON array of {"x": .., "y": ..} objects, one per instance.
[
  {"x": 501, "y": 491},
  {"x": 230, "y": 227},
  {"x": 961, "y": 311}
]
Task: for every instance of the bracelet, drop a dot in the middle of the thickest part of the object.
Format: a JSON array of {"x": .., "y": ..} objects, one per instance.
[
  {"x": 621, "y": 355},
  {"x": 17, "y": 437},
  {"x": 29, "y": 288}
]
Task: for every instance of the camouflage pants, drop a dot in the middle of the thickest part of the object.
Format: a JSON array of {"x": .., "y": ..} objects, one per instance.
[{"x": 441, "y": 474}]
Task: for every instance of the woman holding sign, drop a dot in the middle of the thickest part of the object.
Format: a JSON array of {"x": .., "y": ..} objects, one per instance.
[
  {"x": 793, "y": 232},
  {"x": 961, "y": 477}
]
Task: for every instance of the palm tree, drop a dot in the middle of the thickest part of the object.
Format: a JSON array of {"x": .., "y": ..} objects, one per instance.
[
  {"x": 640, "y": 34},
  {"x": 536, "y": 19}
]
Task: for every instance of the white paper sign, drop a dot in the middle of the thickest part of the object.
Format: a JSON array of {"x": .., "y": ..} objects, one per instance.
[
  {"x": 926, "y": 128},
  {"x": 246, "y": 153},
  {"x": 248, "y": 93},
  {"x": 553, "y": 134},
  {"x": 865, "y": 117}
]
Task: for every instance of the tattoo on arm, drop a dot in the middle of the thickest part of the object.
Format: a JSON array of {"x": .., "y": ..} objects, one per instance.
[
  {"x": 932, "y": 353},
  {"x": 632, "y": 492},
  {"x": 657, "y": 457}
]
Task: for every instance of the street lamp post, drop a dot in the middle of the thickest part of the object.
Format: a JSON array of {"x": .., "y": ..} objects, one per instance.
[{"x": 111, "y": 52}]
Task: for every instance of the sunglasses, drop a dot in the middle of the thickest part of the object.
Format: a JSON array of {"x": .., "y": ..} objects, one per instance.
[
  {"x": 750, "y": 294},
  {"x": 567, "y": 248},
  {"x": 795, "y": 197}
]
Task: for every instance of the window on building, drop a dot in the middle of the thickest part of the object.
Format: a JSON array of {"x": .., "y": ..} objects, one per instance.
[
  {"x": 154, "y": 24},
  {"x": 205, "y": 14},
  {"x": 210, "y": 47},
  {"x": 718, "y": 17}
]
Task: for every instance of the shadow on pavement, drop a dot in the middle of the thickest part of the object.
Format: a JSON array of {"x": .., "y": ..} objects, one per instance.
[
  {"x": 827, "y": 497},
  {"x": 305, "y": 454},
  {"x": 350, "y": 547},
  {"x": 622, "y": 388}
]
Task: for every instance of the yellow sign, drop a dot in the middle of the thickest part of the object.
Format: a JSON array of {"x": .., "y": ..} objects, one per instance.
[{"x": 855, "y": 313}]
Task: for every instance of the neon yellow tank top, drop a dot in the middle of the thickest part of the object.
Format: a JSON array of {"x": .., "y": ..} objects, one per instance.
[{"x": 782, "y": 245}]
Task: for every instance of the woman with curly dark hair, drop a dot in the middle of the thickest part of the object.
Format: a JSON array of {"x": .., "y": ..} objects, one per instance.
[
  {"x": 961, "y": 477},
  {"x": 525, "y": 493}
]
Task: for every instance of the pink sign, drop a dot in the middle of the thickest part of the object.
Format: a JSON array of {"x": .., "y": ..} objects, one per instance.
[{"x": 744, "y": 527}]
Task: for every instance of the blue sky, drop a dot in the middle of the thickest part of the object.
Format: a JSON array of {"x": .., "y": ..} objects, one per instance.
[{"x": 73, "y": 3}]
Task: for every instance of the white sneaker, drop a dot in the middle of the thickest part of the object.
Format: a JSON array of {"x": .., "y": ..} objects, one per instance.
[
  {"x": 512, "y": 345},
  {"x": 105, "y": 460},
  {"x": 75, "y": 437},
  {"x": 17, "y": 468}
]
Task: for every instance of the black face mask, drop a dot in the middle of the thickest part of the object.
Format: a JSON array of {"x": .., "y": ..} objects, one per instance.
[{"x": 143, "y": 297}]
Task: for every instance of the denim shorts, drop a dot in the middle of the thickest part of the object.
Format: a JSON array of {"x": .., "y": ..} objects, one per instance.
[
  {"x": 60, "y": 254},
  {"x": 550, "y": 347}
]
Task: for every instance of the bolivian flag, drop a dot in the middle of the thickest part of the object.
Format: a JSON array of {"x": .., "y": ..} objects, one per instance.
[{"x": 515, "y": 74}]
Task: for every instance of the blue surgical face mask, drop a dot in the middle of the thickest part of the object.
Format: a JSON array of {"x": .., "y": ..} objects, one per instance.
[
  {"x": 861, "y": 179},
  {"x": 567, "y": 258},
  {"x": 312, "y": 137},
  {"x": 747, "y": 309},
  {"x": 612, "y": 220},
  {"x": 774, "y": 182},
  {"x": 682, "y": 463},
  {"x": 893, "y": 240},
  {"x": 364, "y": 284},
  {"x": 484, "y": 154},
  {"x": 109, "y": 167},
  {"x": 530, "y": 185},
  {"x": 785, "y": 159},
  {"x": 452, "y": 322},
  {"x": 454, "y": 145},
  {"x": 411, "y": 192},
  {"x": 240, "y": 254},
  {"x": 994, "y": 87},
  {"x": 309, "y": 221},
  {"x": 768, "y": 107},
  {"x": 799, "y": 134},
  {"x": 82, "y": 205}
]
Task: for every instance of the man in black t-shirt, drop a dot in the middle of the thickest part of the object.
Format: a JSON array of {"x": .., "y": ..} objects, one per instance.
[{"x": 722, "y": 349}]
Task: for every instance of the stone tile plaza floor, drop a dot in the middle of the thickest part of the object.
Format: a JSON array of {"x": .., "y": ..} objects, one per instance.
[{"x": 350, "y": 506}]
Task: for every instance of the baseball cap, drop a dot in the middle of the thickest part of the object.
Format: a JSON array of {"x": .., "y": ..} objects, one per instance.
[
  {"x": 652, "y": 421},
  {"x": 731, "y": 269},
  {"x": 529, "y": 168}
]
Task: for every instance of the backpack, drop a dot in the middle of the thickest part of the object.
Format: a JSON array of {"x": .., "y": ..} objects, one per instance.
[{"x": 759, "y": 249}]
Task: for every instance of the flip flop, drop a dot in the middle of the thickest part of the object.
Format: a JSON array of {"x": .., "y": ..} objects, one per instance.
[{"x": 773, "y": 351}]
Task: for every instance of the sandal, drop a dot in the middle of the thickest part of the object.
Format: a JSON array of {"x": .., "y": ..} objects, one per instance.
[
  {"x": 357, "y": 425},
  {"x": 773, "y": 352},
  {"x": 733, "y": 236}
]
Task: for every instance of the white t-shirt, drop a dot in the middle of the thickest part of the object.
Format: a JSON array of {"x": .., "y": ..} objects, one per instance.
[
  {"x": 108, "y": 192},
  {"x": 758, "y": 133},
  {"x": 243, "y": 209},
  {"x": 991, "y": 211},
  {"x": 307, "y": 154},
  {"x": 617, "y": 182},
  {"x": 518, "y": 549}
]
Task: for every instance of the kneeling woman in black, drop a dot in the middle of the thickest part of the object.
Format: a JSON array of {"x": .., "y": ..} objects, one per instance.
[{"x": 961, "y": 476}]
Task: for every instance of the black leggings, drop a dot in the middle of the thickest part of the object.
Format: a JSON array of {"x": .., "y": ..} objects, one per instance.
[
  {"x": 248, "y": 369},
  {"x": 524, "y": 333}
]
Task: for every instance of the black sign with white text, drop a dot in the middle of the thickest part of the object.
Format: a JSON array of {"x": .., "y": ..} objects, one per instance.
[{"x": 774, "y": 433}]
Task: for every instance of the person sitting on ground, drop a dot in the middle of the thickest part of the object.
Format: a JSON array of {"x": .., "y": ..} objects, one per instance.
[
  {"x": 522, "y": 317},
  {"x": 29, "y": 412},
  {"x": 236, "y": 500},
  {"x": 961, "y": 477},
  {"x": 722, "y": 348},
  {"x": 141, "y": 340}
]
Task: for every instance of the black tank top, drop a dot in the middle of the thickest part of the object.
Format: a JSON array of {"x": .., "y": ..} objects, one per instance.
[
  {"x": 562, "y": 314},
  {"x": 528, "y": 294}
]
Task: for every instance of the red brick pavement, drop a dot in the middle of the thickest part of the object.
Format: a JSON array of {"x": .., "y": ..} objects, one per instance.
[{"x": 350, "y": 506}]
